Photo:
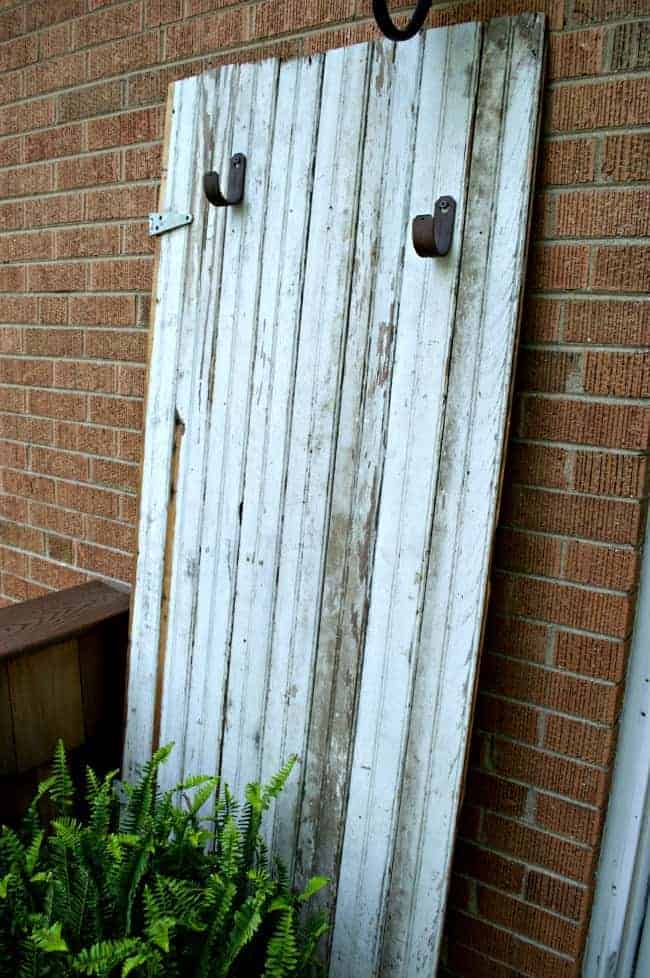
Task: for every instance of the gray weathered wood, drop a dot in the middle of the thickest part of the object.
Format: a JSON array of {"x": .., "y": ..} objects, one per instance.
[
  {"x": 467, "y": 489},
  {"x": 165, "y": 364},
  {"x": 314, "y": 553}
]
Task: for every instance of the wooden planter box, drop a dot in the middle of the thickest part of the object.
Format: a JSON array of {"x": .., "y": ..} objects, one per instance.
[{"x": 62, "y": 674}]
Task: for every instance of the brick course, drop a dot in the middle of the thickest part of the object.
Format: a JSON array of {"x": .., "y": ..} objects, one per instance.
[{"x": 82, "y": 91}]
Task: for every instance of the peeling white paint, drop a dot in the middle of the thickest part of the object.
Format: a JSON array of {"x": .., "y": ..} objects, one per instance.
[{"x": 344, "y": 406}]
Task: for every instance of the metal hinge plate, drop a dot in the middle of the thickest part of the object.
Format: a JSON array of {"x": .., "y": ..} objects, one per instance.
[{"x": 160, "y": 223}]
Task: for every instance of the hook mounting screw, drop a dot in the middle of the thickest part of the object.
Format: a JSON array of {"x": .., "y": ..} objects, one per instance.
[{"x": 236, "y": 178}]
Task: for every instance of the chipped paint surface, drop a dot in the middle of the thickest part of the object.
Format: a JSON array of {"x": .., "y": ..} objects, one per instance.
[{"x": 331, "y": 502}]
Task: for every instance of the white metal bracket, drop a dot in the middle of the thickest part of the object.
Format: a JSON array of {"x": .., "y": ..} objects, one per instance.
[{"x": 160, "y": 223}]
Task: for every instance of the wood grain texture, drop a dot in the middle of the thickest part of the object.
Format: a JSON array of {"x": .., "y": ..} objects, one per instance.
[
  {"x": 314, "y": 564},
  {"x": 46, "y": 703},
  {"x": 409, "y": 495},
  {"x": 71, "y": 688},
  {"x": 8, "y": 764},
  {"x": 55, "y": 617},
  {"x": 364, "y": 393},
  {"x": 316, "y": 408},
  {"x": 164, "y": 368},
  {"x": 252, "y": 99},
  {"x": 467, "y": 491},
  {"x": 263, "y": 660}
]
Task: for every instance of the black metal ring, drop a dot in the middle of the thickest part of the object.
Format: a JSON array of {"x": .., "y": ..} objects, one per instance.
[{"x": 394, "y": 33}]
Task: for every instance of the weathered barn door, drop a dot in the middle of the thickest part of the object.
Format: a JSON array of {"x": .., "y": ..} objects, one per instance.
[{"x": 324, "y": 436}]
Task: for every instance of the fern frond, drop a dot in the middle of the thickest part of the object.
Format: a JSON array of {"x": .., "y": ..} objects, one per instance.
[
  {"x": 219, "y": 898},
  {"x": 314, "y": 886},
  {"x": 148, "y": 895},
  {"x": 246, "y": 922},
  {"x": 278, "y": 781},
  {"x": 282, "y": 952},
  {"x": 181, "y": 899},
  {"x": 49, "y": 939},
  {"x": 316, "y": 928},
  {"x": 12, "y": 850},
  {"x": 101, "y": 958},
  {"x": 31, "y": 822},
  {"x": 100, "y": 798},
  {"x": 30, "y": 958},
  {"x": 202, "y": 795},
  {"x": 143, "y": 794},
  {"x": 61, "y": 789},
  {"x": 33, "y": 851},
  {"x": 135, "y": 872},
  {"x": 231, "y": 849}
]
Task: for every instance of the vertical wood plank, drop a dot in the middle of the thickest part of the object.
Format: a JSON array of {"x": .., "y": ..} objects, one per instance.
[
  {"x": 92, "y": 669},
  {"x": 316, "y": 405},
  {"x": 159, "y": 433},
  {"x": 466, "y": 505},
  {"x": 193, "y": 396},
  {"x": 7, "y": 745},
  {"x": 253, "y": 722},
  {"x": 45, "y": 691},
  {"x": 425, "y": 324},
  {"x": 236, "y": 308},
  {"x": 365, "y": 395}
]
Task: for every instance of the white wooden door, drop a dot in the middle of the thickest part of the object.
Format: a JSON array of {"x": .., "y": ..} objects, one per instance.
[{"x": 324, "y": 436}]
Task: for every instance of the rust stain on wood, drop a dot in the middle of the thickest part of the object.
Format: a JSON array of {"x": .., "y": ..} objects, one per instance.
[{"x": 179, "y": 431}]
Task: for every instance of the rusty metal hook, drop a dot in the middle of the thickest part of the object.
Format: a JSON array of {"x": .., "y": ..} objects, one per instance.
[
  {"x": 393, "y": 33},
  {"x": 432, "y": 233},
  {"x": 236, "y": 178}
]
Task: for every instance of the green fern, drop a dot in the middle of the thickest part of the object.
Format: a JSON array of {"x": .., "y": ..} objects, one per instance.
[
  {"x": 177, "y": 884},
  {"x": 246, "y": 922},
  {"x": 282, "y": 953},
  {"x": 102, "y": 958},
  {"x": 62, "y": 788}
]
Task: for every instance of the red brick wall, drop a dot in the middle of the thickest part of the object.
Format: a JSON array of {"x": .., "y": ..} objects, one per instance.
[{"x": 82, "y": 86}]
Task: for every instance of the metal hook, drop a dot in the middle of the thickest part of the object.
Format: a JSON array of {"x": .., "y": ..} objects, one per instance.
[
  {"x": 236, "y": 177},
  {"x": 432, "y": 233},
  {"x": 393, "y": 33}
]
